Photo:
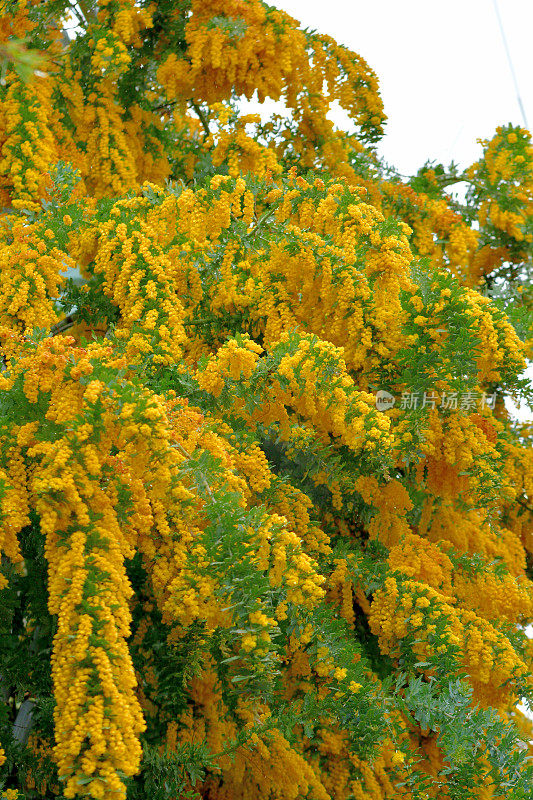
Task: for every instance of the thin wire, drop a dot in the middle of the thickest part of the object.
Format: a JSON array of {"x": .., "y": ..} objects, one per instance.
[{"x": 510, "y": 60}]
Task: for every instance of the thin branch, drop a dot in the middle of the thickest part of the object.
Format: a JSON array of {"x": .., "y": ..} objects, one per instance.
[
  {"x": 524, "y": 505},
  {"x": 266, "y": 216},
  {"x": 458, "y": 179},
  {"x": 205, "y": 321},
  {"x": 63, "y": 325},
  {"x": 165, "y": 105},
  {"x": 187, "y": 455},
  {"x": 81, "y": 6},
  {"x": 450, "y": 181},
  {"x": 201, "y": 117},
  {"x": 65, "y": 38}
]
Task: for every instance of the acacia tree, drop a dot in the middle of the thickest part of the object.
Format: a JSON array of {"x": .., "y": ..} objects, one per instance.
[{"x": 232, "y": 567}]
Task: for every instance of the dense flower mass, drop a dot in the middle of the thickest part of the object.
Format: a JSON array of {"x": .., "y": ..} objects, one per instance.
[{"x": 266, "y": 523}]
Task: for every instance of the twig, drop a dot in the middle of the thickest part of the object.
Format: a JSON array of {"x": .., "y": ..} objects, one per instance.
[
  {"x": 63, "y": 325},
  {"x": 165, "y": 105},
  {"x": 65, "y": 38},
  {"x": 82, "y": 6},
  {"x": 187, "y": 455},
  {"x": 262, "y": 219},
  {"x": 524, "y": 505},
  {"x": 205, "y": 321},
  {"x": 201, "y": 117}
]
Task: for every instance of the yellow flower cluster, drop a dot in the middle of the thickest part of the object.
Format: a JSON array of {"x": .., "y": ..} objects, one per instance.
[
  {"x": 253, "y": 464},
  {"x": 296, "y": 507},
  {"x": 29, "y": 145},
  {"x": 239, "y": 48},
  {"x": 10, "y": 794},
  {"x": 129, "y": 21},
  {"x": 144, "y": 145},
  {"x": 439, "y": 232},
  {"x": 110, "y": 56},
  {"x": 233, "y": 361},
  {"x": 220, "y": 59},
  {"x": 501, "y": 347},
  {"x": 32, "y": 270},
  {"x": 392, "y": 501},
  {"x": 96, "y": 732},
  {"x": 507, "y": 166},
  {"x": 453, "y": 447},
  {"x": 290, "y": 565},
  {"x": 403, "y": 608},
  {"x": 243, "y": 153},
  {"x": 221, "y": 446},
  {"x": 340, "y": 590},
  {"x": 111, "y": 167},
  {"x": 18, "y": 23},
  {"x": 14, "y": 507},
  {"x": 319, "y": 388},
  {"x": 422, "y": 560},
  {"x": 137, "y": 276}
]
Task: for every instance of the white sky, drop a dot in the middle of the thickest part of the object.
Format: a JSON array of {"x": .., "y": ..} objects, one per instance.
[{"x": 442, "y": 68}]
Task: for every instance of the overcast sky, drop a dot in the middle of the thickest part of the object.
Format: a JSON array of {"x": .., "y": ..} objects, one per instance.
[{"x": 442, "y": 67}]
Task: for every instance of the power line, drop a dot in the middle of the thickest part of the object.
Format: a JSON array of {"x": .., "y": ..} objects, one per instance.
[{"x": 510, "y": 60}]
